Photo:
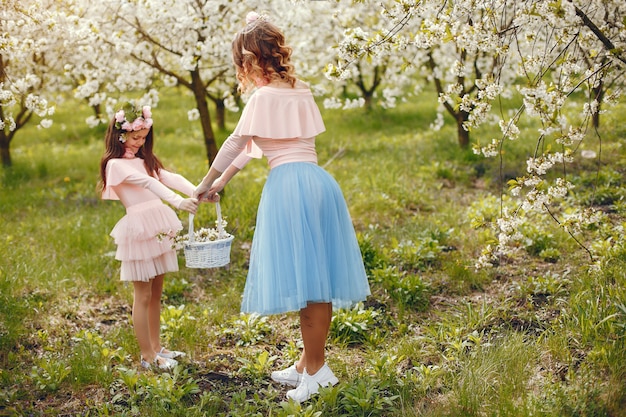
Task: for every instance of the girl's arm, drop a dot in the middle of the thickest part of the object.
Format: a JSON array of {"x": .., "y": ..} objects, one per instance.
[
  {"x": 160, "y": 190},
  {"x": 176, "y": 181}
]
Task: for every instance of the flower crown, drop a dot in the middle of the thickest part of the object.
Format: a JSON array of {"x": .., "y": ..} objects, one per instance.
[
  {"x": 253, "y": 18},
  {"x": 129, "y": 118}
]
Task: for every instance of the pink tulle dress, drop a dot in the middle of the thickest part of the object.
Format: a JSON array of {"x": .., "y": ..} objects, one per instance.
[{"x": 142, "y": 253}]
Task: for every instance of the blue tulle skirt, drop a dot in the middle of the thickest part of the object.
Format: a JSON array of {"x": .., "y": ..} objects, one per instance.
[{"x": 304, "y": 247}]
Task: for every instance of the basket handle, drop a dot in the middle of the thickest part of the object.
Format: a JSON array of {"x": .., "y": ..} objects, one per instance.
[
  {"x": 220, "y": 229},
  {"x": 190, "y": 237},
  {"x": 221, "y": 233}
]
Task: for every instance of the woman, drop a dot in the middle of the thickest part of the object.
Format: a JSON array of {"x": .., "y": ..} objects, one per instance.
[{"x": 305, "y": 256}]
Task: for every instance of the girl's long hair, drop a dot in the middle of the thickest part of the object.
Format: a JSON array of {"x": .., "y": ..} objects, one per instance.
[
  {"x": 260, "y": 53},
  {"x": 115, "y": 149}
]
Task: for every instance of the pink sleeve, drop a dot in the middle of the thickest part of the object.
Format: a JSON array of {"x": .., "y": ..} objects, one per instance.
[
  {"x": 177, "y": 182},
  {"x": 236, "y": 150},
  {"x": 119, "y": 172},
  {"x": 242, "y": 160},
  {"x": 115, "y": 173},
  {"x": 154, "y": 185}
]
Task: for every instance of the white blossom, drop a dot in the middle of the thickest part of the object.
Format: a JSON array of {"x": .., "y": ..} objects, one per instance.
[
  {"x": 438, "y": 123},
  {"x": 353, "y": 103},
  {"x": 45, "y": 123},
  {"x": 93, "y": 121},
  {"x": 332, "y": 103},
  {"x": 193, "y": 114}
]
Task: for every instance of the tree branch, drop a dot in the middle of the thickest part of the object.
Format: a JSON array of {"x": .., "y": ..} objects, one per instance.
[
  {"x": 569, "y": 232},
  {"x": 599, "y": 34}
]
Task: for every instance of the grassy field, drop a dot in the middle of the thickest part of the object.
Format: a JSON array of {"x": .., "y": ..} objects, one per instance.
[{"x": 539, "y": 335}]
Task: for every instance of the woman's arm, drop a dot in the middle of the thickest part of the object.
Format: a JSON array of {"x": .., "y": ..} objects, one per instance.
[
  {"x": 230, "y": 159},
  {"x": 214, "y": 182}
]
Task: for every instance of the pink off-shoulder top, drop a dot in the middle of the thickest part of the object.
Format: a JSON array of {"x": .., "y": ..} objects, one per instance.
[{"x": 280, "y": 123}]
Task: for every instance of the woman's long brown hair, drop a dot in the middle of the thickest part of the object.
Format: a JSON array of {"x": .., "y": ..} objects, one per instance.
[{"x": 259, "y": 50}]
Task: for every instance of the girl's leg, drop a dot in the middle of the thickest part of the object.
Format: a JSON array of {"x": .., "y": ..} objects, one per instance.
[
  {"x": 141, "y": 321},
  {"x": 154, "y": 313},
  {"x": 155, "y": 319},
  {"x": 314, "y": 324}
]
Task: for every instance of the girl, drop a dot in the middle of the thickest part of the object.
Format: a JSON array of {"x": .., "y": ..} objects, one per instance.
[
  {"x": 305, "y": 256},
  {"x": 131, "y": 173}
]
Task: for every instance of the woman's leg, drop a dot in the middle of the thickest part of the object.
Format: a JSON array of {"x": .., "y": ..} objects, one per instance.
[
  {"x": 314, "y": 325},
  {"x": 154, "y": 313},
  {"x": 141, "y": 321}
]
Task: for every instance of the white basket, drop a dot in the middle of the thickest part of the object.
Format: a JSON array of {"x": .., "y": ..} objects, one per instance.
[{"x": 211, "y": 254}]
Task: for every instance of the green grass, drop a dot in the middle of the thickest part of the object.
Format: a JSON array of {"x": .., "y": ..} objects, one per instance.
[{"x": 540, "y": 334}]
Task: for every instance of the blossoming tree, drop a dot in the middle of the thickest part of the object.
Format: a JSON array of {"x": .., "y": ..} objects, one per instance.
[
  {"x": 456, "y": 45},
  {"x": 554, "y": 46},
  {"x": 29, "y": 67},
  {"x": 385, "y": 75},
  {"x": 101, "y": 72},
  {"x": 182, "y": 42},
  {"x": 480, "y": 51}
]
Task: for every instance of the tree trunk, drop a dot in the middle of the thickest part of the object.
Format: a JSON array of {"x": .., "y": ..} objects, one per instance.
[
  {"x": 205, "y": 117},
  {"x": 368, "y": 93},
  {"x": 598, "y": 93},
  {"x": 5, "y": 152},
  {"x": 5, "y": 141},
  {"x": 220, "y": 114},
  {"x": 368, "y": 96},
  {"x": 595, "y": 118},
  {"x": 463, "y": 135},
  {"x": 96, "y": 110}
]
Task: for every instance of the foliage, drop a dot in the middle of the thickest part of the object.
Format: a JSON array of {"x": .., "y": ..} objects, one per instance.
[
  {"x": 50, "y": 373},
  {"x": 372, "y": 259},
  {"x": 418, "y": 254},
  {"x": 175, "y": 289},
  {"x": 408, "y": 290},
  {"x": 30, "y": 68},
  {"x": 94, "y": 358},
  {"x": 352, "y": 327},
  {"x": 175, "y": 322},
  {"x": 246, "y": 329},
  {"x": 365, "y": 398},
  {"x": 541, "y": 56},
  {"x": 258, "y": 367},
  {"x": 166, "y": 391}
]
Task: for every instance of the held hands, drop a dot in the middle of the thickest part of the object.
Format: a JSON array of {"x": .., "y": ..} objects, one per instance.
[
  {"x": 189, "y": 204},
  {"x": 209, "y": 194}
]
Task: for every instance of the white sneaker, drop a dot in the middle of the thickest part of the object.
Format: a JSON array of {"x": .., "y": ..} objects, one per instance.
[
  {"x": 159, "y": 362},
  {"x": 289, "y": 376},
  {"x": 170, "y": 354},
  {"x": 310, "y": 384}
]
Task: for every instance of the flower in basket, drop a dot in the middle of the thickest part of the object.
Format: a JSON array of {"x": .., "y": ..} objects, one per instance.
[{"x": 205, "y": 234}]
